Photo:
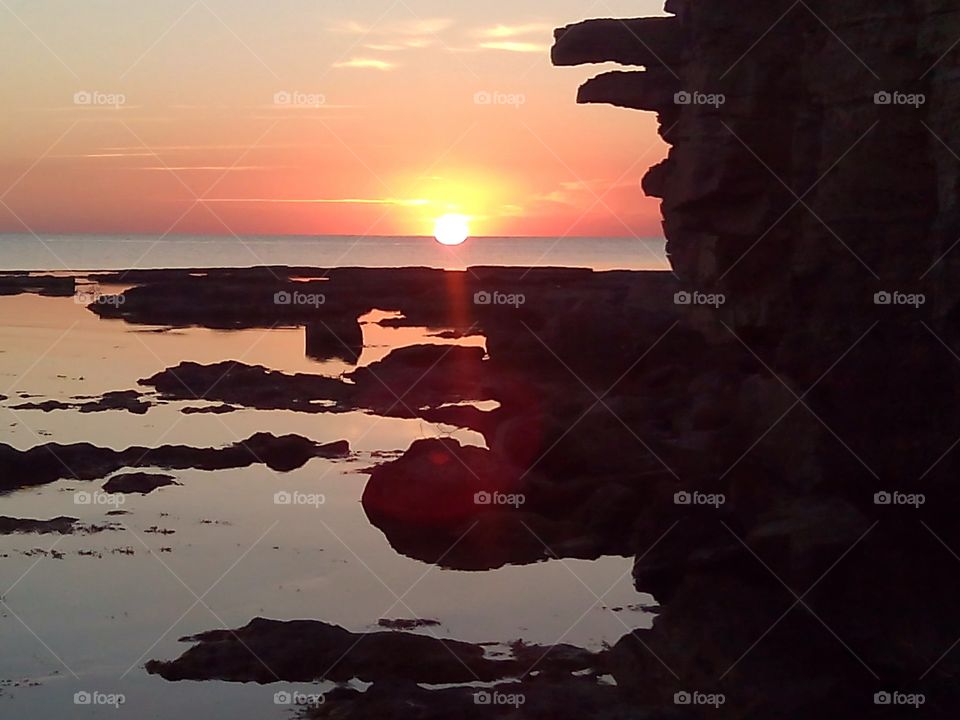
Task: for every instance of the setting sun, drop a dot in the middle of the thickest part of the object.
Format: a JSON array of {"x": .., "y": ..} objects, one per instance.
[{"x": 452, "y": 229}]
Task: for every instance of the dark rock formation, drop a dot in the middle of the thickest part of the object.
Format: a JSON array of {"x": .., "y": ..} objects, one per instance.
[
  {"x": 129, "y": 400},
  {"x": 812, "y": 180},
  {"x": 266, "y": 651},
  {"x": 81, "y": 461},
  {"x": 15, "y": 283},
  {"x": 57, "y": 526},
  {"x": 139, "y": 482}
]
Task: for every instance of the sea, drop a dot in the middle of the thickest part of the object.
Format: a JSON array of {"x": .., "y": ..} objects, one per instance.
[{"x": 122, "y": 252}]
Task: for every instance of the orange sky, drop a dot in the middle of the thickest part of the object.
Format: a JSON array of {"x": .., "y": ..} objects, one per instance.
[{"x": 299, "y": 117}]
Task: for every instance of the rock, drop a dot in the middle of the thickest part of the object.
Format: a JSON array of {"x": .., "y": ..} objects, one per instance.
[
  {"x": 407, "y": 624},
  {"x": 82, "y": 461},
  {"x": 56, "y": 526},
  {"x": 128, "y": 400},
  {"x": 144, "y": 483},
  {"x": 266, "y": 651}
]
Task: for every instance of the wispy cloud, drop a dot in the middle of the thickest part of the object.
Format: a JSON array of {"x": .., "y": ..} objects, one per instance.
[
  {"x": 413, "y": 43},
  {"x": 512, "y": 31},
  {"x": 515, "y": 46},
  {"x": 366, "y": 64},
  {"x": 401, "y": 202}
]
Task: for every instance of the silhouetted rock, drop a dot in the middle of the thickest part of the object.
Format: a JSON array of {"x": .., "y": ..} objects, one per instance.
[
  {"x": 15, "y": 283},
  {"x": 807, "y": 183},
  {"x": 57, "y": 526},
  {"x": 82, "y": 461},
  {"x": 266, "y": 651},
  {"x": 139, "y": 482},
  {"x": 129, "y": 400}
]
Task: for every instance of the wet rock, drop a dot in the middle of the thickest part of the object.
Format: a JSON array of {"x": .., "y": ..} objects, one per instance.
[
  {"x": 82, "y": 461},
  {"x": 15, "y": 283},
  {"x": 129, "y": 400},
  {"x": 57, "y": 526},
  {"x": 144, "y": 483},
  {"x": 403, "y": 624},
  {"x": 266, "y": 651}
]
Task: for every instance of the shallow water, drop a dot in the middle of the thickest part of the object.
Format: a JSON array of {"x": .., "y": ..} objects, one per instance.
[{"x": 88, "y": 622}]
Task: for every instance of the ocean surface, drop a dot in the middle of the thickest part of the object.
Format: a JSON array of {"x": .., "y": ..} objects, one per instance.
[{"x": 122, "y": 252}]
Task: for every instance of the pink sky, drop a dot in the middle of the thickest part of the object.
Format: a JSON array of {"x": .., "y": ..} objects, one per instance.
[{"x": 298, "y": 117}]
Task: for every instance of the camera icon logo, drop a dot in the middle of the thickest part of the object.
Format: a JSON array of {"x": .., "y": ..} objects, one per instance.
[
  {"x": 282, "y": 98},
  {"x": 483, "y": 98},
  {"x": 83, "y": 97},
  {"x": 682, "y": 98},
  {"x": 882, "y": 98},
  {"x": 282, "y": 698},
  {"x": 82, "y": 698},
  {"x": 882, "y": 298},
  {"x": 682, "y": 298},
  {"x": 482, "y": 498},
  {"x": 483, "y": 298},
  {"x": 482, "y": 698},
  {"x": 882, "y": 498},
  {"x": 882, "y": 698},
  {"x": 283, "y": 298},
  {"x": 283, "y": 498},
  {"x": 682, "y": 498},
  {"x": 682, "y": 698},
  {"x": 82, "y": 498}
]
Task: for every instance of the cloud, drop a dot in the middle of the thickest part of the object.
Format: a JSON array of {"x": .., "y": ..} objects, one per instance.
[
  {"x": 515, "y": 46},
  {"x": 511, "y": 31},
  {"x": 402, "y": 202},
  {"x": 413, "y": 43},
  {"x": 366, "y": 64}
]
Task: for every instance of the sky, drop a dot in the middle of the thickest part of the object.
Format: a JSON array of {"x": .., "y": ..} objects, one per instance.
[{"x": 359, "y": 117}]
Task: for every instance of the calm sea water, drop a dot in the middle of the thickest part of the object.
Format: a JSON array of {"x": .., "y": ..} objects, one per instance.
[{"x": 111, "y": 252}]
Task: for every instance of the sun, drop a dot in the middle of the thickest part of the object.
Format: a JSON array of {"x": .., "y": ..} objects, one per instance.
[{"x": 452, "y": 229}]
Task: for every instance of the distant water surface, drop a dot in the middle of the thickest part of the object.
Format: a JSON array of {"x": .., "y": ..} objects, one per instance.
[{"x": 115, "y": 252}]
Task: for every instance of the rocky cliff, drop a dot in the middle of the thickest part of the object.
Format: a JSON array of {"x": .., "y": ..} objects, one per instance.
[{"x": 812, "y": 182}]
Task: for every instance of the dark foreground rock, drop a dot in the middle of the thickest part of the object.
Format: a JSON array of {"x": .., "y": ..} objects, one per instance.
[
  {"x": 129, "y": 400},
  {"x": 52, "y": 461},
  {"x": 56, "y": 526},
  {"x": 15, "y": 283},
  {"x": 806, "y": 190},
  {"x": 266, "y": 651},
  {"x": 144, "y": 483}
]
